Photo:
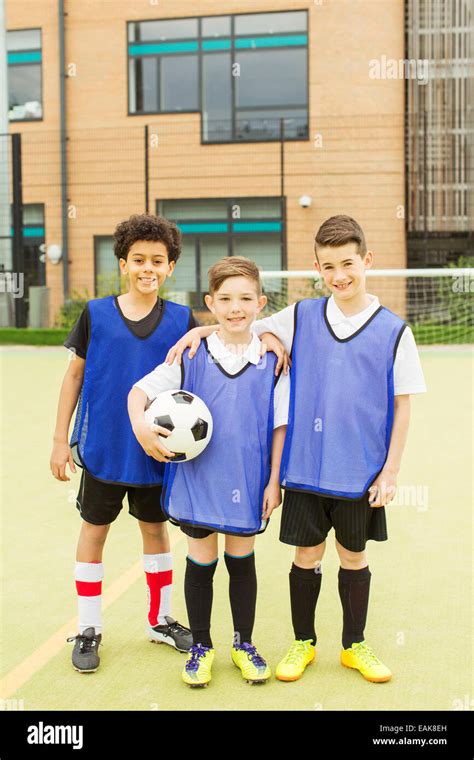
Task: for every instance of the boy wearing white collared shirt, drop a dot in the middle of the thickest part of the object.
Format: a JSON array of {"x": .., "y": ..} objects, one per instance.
[
  {"x": 354, "y": 367},
  {"x": 232, "y": 486}
]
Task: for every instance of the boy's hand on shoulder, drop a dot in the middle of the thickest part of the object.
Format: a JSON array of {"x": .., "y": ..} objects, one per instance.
[
  {"x": 147, "y": 437},
  {"x": 383, "y": 489},
  {"x": 61, "y": 455},
  {"x": 271, "y": 498},
  {"x": 270, "y": 342},
  {"x": 191, "y": 340}
]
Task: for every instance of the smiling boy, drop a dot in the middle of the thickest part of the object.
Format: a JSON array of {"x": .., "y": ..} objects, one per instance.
[
  {"x": 347, "y": 428},
  {"x": 115, "y": 341},
  {"x": 354, "y": 367},
  {"x": 233, "y": 485}
]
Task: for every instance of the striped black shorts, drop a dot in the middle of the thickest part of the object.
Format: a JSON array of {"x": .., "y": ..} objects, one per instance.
[{"x": 308, "y": 517}]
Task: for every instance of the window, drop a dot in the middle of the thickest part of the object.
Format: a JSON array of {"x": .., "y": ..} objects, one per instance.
[
  {"x": 33, "y": 238},
  {"x": 246, "y": 74},
  {"x": 24, "y": 75},
  {"x": 217, "y": 227},
  {"x": 106, "y": 267}
]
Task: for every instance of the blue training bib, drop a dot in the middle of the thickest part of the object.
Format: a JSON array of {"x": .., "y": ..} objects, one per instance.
[
  {"x": 116, "y": 359},
  {"x": 222, "y": 489},
  {"x": 341, "y": 402}
]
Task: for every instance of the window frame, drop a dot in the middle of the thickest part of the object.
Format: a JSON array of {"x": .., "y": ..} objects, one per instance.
[
  {"x": 230, "y": 233},
  {"x": 40, "y": 64},
  {"x": 232, "y": 50}
]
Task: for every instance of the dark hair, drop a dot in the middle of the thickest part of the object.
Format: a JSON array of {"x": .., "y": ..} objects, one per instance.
[
  {"x": 147, "y": 227},
  {"x": 233, "y": 266},
  {"x": 339, "y": 230}
]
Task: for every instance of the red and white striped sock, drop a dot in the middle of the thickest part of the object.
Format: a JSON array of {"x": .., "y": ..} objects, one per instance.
[
  {"x": 88, "y": 577},
  {"x": 159, "y": 577}
]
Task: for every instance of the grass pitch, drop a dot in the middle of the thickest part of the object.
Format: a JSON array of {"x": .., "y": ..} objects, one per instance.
[{"x": 420, "y": 608}]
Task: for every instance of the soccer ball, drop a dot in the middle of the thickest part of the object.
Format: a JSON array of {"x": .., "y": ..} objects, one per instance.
[{"x": 189, "y": 420}]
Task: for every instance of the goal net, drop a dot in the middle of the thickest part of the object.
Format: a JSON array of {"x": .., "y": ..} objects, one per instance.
[{"x": 438, "y": 304}]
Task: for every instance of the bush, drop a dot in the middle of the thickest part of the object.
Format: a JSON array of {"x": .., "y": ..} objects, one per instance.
[{"x": 71, "y": 310}]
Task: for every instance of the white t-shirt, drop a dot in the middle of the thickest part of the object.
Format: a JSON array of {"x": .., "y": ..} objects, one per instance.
[
  {"x": 407, "y": 372},
  {"x": 166, "y": 377}
]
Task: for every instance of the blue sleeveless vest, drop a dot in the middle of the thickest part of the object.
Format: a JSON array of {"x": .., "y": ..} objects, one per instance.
[
  {"x": 115, "y": 360},
  {"x": 341, "y": 402},
  {"x": 222, "y": 489}
]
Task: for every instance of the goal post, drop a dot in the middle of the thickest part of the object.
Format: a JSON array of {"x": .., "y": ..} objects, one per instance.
[{"x": 438, "y": 304}]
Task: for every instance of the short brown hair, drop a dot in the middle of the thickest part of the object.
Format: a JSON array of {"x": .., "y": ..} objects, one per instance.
[
  {"x": 233, "y": 266},
  {"x": 339, "y": 230},
  {"x": 147, "y": 227}
]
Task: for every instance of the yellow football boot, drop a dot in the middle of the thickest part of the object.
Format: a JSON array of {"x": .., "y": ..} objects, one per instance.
[
  {"x": 253, "y": 667},
  {"x": 292, "y": 667},
  {"x": 361, "y": 657},
  {"x": 197, "y": 670}
]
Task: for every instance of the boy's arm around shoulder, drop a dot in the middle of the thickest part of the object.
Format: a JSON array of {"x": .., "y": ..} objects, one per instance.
[
  {"x": 61, "y": 454},
  {"x": 192, "y": 340}
]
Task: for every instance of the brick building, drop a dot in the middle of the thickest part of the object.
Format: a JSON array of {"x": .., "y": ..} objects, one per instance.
[{"x": 221, "y": 121}]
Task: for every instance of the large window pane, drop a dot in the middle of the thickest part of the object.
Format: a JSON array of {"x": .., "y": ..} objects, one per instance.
[
  {"x": 107, "y": 273},
  {"x": 24, "y": 39},
  {"x": 194, "y": 209},
  {"x": 163, "y": 30},
  {"x": 24, "y": 74},
  {"x": 181, "y": 286},
  {"x": 217, "y": 104},
  {"x": 271, "y": 77},
  {"x": 213, "y": 248},
  {"x": 266, "y": 125},
  {"x": 265, "y": 250},
  {"x": 179, "y": 83},
  {"x": 33, "y": 213},
  {"x": 260, "y": 208},
  {"x": 216, "y": 26},
  {"x": 24, "y": 91},
  {"x": 144, "y": 84},
  {"x": 269, "y": 23}
]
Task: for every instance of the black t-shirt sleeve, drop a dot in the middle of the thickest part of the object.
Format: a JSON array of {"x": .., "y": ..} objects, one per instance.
[{"x": 78, "y": 338}]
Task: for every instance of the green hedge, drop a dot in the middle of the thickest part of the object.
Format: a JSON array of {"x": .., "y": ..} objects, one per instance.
[
  {"x": 425, "y": 335},
  {"x": 29, "y": 336}
]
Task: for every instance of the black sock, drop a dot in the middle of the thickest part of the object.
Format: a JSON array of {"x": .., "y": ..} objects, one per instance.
[
  {"x": 354, "y": 586},
  {"x": 198, "y": 593},
  {"x": 305, "y": 586},
  {"x": 242, "y": 595}
]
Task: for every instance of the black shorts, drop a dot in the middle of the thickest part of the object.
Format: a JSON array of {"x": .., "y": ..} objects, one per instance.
[
  {"x": 99, "y": 503},
  {"x": 193, "y": 531},
  {"x": 308, "y": 517}
]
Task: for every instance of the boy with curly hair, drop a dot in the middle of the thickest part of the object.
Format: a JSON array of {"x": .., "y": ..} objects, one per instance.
[{"x": 116, "y": 341}]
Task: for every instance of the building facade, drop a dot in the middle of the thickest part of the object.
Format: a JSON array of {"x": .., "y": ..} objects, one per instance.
[
  {"x": 440, "y": 133},
  {"x": 221, "y": 120}
]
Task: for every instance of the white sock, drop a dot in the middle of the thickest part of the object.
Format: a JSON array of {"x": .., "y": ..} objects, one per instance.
[{"x": 88, "y": 576}]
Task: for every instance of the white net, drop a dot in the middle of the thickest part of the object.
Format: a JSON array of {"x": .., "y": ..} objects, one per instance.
[{"x": 438, "y": 304}]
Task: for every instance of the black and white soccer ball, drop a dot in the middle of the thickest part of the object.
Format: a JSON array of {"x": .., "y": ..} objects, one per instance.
[{"x": 188, "y": 419}]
